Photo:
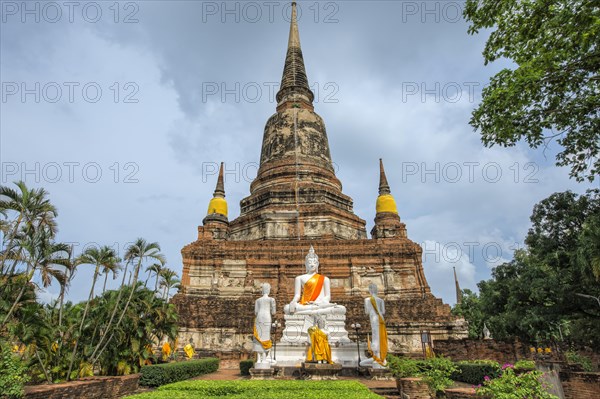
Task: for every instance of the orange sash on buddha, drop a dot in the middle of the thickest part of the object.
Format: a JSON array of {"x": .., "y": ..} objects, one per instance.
[{"x": 312, "y": 288}]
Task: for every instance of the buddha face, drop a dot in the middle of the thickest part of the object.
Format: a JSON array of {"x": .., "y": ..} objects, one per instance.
[{"x": 312, "y": 264}]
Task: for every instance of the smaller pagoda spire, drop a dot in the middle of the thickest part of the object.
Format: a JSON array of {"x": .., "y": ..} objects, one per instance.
[
  {"x": 457, "y": 286},
  {"x": 385, "y": 201},
  {"x": 384, "y": 187},
  {"x": 218, "y": 204},
  {"x": 387, "y": 220},
  {"x": 220, "y": 188}
]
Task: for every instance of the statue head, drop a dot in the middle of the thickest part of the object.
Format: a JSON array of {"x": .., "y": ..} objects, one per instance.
[
  {"x": 311, "y": 261},
  {"x": 266, "y": 288},
  {"x": 373, "y": 289}
]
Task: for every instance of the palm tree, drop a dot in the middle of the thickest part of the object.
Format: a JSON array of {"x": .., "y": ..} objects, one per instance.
[
  {"x": 33, "y": 210},
  {"x": 168, "y": 281},
  {"x": 155, "y": 268},
  {"x": 38, "y": 253},
  {"x": 136, "y": 254},
  {"x": 99, "y": 257},
  {"x": 108, "y": 269},
  {"x": 34, "y": 223}
]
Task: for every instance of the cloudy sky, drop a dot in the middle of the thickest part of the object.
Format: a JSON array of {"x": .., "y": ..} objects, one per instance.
[{"x": 122, "y": 111}]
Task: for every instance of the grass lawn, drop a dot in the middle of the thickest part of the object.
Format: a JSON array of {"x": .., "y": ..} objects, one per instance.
[{"x": 270, "y": 389}]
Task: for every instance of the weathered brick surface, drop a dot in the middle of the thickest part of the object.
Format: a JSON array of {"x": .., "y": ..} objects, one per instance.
[
  {"x": 580, "y": 385},
  {"x": 473, "y": 349},
  {"x": 88, "y": 388},
  {"x": 413, "y": 388},
  {"x": 221, "y": 280}
]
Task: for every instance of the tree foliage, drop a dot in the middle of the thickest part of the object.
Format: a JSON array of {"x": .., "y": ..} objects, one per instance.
[
  {"x": 108, "y": 334},
  {"x": 547, "y": 292},
  {"x": 553, "y": 91},
  {"x": 470, "y": 310}
]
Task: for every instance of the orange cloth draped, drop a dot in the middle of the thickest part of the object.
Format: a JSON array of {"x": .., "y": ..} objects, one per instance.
[
  {"x": 189, "y": 351},
  {"x": 312, "y": 288},
  {"x": 319, "y": 346},
  {"x": 383, "y": 340},
  {"x": 265, "y": 344}
]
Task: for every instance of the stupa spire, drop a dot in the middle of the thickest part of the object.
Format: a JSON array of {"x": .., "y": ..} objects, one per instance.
[
  {"x": 457, "y": 287},
  {"x": 384, "y": 187},
  {"x": 217, "y": 204},
  {"x": 387, "y": 220},
  {"x": 385, "y": 201},
  {"x": 220, "y": 188},
  {"x": 294, "y": 89}
]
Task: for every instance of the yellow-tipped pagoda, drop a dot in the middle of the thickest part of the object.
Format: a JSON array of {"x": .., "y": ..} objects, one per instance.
[
  {"x": 218, "y": 204},
  {"x": 216, "y": 216},
  {"x": 387, "y": 219},
  {"x": 385, "y": 201}
]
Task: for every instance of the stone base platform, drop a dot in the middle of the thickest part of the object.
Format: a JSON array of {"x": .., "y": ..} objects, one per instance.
[
  {"x": 293, "y": 355},
  {"x": 296, "y": 328},
  {"x": 321, "y": 371},
  {"x": 261, "y": 374},
  {"x": 379, "y": 374}
]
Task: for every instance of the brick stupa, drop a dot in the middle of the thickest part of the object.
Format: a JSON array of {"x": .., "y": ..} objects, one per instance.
[{"x": 297, "y": 201}]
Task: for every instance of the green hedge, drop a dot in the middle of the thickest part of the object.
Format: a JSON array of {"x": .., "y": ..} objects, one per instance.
[
  {"x": 474, "y": 372},
  {"x": 161, "y": 374},
  {"x": 245, "y": 366},
  {"x": 253, "y": 389}
]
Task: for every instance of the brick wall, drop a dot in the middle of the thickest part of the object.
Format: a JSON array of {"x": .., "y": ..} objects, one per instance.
[
  {"x": 489, "y": 349},
  {"x": 580, "y": 385},
  {"x": 88, "y": 388}
]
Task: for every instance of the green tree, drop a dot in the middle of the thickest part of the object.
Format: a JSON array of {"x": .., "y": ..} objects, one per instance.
[
  {"x": 168, "y": 281},
  {"x": 147, "y": 320},
  {"x": 155, "y": 269},
  {"x": 137, "y": 253},
  {"x": 536, "y": 296},
  {"x": 28, "y": 237},
  {"x": 553, "y": 90},
  {"x": 470, "y": 309},
  {"x": 106, "y": 258}
]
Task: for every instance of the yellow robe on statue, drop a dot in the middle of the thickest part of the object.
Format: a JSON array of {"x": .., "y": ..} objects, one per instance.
[
  {"x": 265, "y": 344},
  {"x": 189, "y": 351},
  {"x": 383, "y": 340},
  {"x": 319, "y": 346}
]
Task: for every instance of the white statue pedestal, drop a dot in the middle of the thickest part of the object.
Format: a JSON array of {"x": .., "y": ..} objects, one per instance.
[
  {"x": 296, "y": 328},
  {"x": 293, "y": 355},
  {"x": 261, "y": 374},
  {"x": 262, "y": 365},
  {"x": 294, "y": 344}
]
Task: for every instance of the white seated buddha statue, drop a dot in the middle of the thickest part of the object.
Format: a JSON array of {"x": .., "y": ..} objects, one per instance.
[{"x": 312, "y": 293}]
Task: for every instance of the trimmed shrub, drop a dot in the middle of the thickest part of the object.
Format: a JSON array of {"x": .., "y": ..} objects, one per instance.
[
  {"x": 253, "y": 389},
  {"x": 245, "y": 366},
  {"x": 525, "y": 365},
  {"x": 403, "y": 367},
  {"x": 166, "y": 373},
  {"x": 474, "y": 372}
]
